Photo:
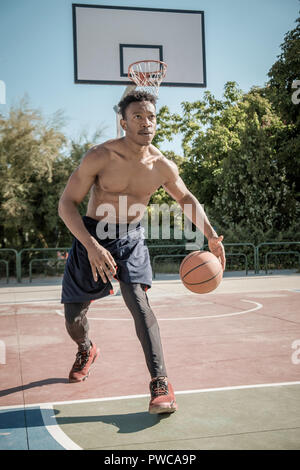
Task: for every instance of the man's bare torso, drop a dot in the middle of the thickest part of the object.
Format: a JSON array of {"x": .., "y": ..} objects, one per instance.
[{"x": 124, "y": 180}]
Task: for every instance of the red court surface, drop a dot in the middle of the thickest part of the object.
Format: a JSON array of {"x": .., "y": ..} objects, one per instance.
[{"x": 238, "y": 346}]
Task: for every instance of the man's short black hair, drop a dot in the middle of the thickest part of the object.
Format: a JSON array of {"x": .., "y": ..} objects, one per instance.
[{"x": 133, "y": 97}]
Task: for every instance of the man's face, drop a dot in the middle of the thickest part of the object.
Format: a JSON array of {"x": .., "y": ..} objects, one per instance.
[{"x": 140, "y": 122}]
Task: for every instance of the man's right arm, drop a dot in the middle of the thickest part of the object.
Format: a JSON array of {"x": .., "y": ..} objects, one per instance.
[{"x": 78, "y": 186}]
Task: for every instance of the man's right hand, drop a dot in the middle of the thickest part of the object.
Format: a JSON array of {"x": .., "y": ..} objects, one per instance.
[{"x": 101, "y": 261}]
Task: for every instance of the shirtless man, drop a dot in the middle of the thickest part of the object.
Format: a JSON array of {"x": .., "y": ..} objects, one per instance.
[{"x": 129, "y": 167}]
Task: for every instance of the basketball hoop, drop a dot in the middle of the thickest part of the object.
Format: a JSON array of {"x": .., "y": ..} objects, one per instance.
[{"x": 148, "y": 74}]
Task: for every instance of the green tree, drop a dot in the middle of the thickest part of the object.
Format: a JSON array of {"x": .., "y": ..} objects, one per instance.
[
  {"x": 253, "y": 189},
  {"x": 242, "y": 153},
  {"x": 232, "y": 165},
  {"x": 208, "y": 134},
  {"x": 36, "y": 160},
  {"x": 282, "y": 75},
  {"x": 279, "y": 90},
  {"x": 28, "y": 147}
]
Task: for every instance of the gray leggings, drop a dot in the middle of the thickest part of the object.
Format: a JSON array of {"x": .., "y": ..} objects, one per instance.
[{"x": 146, "y": 326}]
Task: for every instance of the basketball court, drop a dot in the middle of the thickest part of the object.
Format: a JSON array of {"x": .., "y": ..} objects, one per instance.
[{"x": 231, "y": 355}]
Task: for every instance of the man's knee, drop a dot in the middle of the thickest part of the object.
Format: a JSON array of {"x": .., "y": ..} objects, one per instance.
[
  {"x": 75, "y": 311},
  {"x": 137, "y": 301}
]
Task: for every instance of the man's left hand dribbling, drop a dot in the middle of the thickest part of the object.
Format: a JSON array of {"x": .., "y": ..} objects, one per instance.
[{"x": 216, "y": 247}]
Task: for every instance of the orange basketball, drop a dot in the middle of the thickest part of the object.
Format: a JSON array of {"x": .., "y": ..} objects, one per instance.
[{"x": 201, "y": 272}]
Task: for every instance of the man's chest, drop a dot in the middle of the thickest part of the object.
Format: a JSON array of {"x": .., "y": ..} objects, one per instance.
[{"x": 137, "y": 180}]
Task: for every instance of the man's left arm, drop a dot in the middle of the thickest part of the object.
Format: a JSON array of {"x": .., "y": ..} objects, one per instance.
[{"x": 191, "y": 207}]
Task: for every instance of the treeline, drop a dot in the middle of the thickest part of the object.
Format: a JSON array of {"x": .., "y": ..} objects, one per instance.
[
  {"x": 36, "y": 160},
  {"x": 242, "y": 153},
  {"x": 241, "y": 159}
]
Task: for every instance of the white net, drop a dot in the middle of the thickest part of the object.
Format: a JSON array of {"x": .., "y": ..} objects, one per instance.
[{"x": 148, "y": 75}]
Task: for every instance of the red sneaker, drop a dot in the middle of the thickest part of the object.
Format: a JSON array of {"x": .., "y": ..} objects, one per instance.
[
  {"x": 162, "y": 396},
  {"x": 81, "y": 367}
]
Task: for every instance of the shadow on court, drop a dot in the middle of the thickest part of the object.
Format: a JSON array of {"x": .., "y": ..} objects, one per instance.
[
  {"x": 18, "y": 418},
  {"x": 37, "y": 383},
  {"x": 126, "y": 423}
]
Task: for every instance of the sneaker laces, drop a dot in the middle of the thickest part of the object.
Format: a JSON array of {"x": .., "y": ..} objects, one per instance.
[
  {"x": 159, "y": 387},
  {"x": 81, "y": 359}
]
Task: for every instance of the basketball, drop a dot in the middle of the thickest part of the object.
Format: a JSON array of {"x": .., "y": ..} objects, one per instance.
[{"x": 201, "y": 272}]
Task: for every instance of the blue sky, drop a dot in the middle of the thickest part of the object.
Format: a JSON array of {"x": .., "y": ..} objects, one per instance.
[{"x": 243, "y": 40}]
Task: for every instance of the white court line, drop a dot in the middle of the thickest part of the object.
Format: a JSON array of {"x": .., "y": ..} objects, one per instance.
[
  {"x": 242, "y": 312},
  {"x": 145, "y": 395},
  {"x": 195, "y": 304},
  {"x": 55, "y": 430}
]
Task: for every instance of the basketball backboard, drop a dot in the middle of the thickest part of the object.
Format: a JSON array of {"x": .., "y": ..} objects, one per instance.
[{"x": 107, "y": 39}]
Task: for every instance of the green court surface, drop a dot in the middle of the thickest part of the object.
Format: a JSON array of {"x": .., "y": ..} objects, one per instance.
[{"x": 244, "y": 418}]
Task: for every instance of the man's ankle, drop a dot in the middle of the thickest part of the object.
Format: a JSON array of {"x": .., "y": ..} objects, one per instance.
[{"x": 85, "y": 347}]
